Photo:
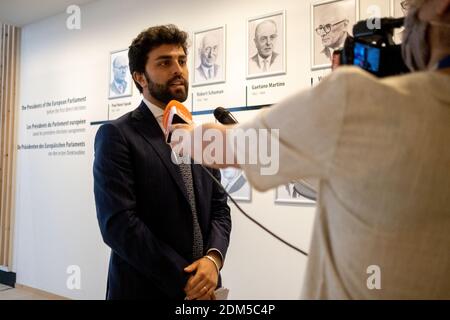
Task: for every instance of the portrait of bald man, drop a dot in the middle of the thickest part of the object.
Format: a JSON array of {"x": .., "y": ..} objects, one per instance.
[
  {"x": 119, "y": 85},
  {"x": 332, "y": 23},
  {"x": 266, "y": 37},
  {"x": 210, "y": 56}
]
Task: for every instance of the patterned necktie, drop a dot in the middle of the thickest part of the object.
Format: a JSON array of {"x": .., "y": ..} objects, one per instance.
[{"x": 197, "y": 247}]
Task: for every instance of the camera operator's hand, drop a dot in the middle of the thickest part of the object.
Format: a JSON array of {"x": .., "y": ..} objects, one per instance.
[{"x": 189, "y": 141}]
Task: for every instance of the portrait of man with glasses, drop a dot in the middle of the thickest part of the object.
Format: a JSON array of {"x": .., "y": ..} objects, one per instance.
[{"x": 332, "y": 22}]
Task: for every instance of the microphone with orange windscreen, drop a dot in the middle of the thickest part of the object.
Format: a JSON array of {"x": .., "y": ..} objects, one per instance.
[{"x": 175, "y": 113}]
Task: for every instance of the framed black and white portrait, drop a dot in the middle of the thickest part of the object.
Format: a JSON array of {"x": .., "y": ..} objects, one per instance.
[
  {"x": 209, "y": 56},
  {"x": 296, "y": 193},
  {"x": 236, "y": 184},
  {"x": 120, "y": 80},
  {"x": 266, "y": 45},
  {"x": 332, "y": 21}
]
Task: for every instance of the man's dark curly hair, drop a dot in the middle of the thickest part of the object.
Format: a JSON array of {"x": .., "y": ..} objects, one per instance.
[{"x": 148, "y": 40}]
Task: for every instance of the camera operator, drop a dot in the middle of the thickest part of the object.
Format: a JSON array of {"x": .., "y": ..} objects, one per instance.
[{"x": 380, "y": 148}]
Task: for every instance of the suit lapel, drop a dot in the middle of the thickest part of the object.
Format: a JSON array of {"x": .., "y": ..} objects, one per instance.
[
  {"x": 146, "y": 124},
  {"x": 255, "y": 58}
]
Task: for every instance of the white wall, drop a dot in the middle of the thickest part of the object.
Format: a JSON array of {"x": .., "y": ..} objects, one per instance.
[{"x": 55, "y": 219}]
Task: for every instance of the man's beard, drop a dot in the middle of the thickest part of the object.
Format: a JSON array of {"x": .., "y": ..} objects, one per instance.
[{"x": 161, "y": 92}]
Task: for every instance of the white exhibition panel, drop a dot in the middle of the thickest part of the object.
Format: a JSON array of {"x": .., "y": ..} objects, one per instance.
[{"x": 65, "y": 76}]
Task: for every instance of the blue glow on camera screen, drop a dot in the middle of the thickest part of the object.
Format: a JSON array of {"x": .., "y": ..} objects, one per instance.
[{"x": 367, "y": 57}]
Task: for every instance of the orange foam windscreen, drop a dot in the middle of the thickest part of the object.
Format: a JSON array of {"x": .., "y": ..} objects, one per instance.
[{"x": 175, "y": 109}]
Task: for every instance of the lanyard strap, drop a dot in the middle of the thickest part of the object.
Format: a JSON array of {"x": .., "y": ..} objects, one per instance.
[{"x": 444, "y": 63}]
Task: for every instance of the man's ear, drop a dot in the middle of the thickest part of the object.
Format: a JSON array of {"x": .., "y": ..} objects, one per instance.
[{"x": 139, "y": 78}]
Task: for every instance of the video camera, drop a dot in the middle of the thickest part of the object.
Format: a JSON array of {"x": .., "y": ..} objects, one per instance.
[{"x": 373, "y": 48}]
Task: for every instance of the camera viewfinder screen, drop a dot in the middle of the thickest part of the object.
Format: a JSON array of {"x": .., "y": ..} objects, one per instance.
[{"x": 367, "y": 57}]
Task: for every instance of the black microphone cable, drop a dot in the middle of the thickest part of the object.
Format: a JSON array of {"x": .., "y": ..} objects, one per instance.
[
  {"x": 250, "y": 218},
  {"x": 226, "y": 117}
]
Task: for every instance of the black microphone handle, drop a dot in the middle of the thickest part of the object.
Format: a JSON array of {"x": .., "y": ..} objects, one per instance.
[
  {"x": 224, "y": 116},
  {"x": 227, "y": 119}
]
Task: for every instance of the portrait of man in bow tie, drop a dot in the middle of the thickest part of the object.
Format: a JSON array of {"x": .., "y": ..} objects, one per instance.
[
  {"x": 210, "y": 56},
  {"x": 266, "y": 37}
]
